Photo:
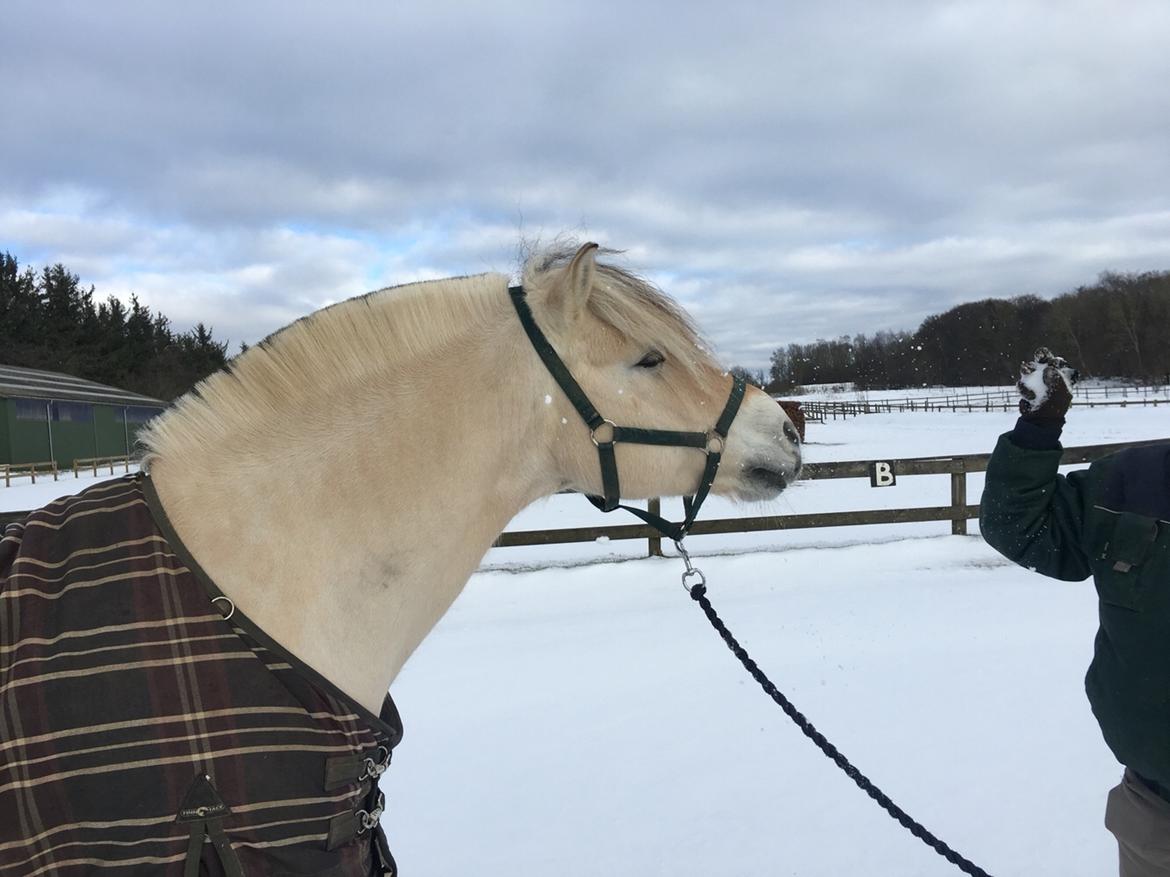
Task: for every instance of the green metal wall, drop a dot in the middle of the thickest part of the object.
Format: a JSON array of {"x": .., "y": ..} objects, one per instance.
[
  {"x": 3, "y": 430},
  {"x": 109, "y": 436},
  {"x": 27, "y": 441}
]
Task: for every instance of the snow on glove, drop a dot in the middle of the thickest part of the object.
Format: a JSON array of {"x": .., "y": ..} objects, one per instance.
[{"x": 1045, "y": 387}]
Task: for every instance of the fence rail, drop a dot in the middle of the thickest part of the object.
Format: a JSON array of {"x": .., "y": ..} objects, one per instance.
[
  {"x": 958, "y": 512},
  {"x": 27, "y": 470},
  {"x": 834, "y": 409},
  {"x": 94, "y": 462},
  {"x": 1000, "y": 394}
]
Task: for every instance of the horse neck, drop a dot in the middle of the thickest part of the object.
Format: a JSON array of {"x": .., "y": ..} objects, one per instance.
[{"x": 347, "y": 544}]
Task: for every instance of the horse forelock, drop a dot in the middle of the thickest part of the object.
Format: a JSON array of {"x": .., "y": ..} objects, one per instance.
[{"x": 636, "y": 309}]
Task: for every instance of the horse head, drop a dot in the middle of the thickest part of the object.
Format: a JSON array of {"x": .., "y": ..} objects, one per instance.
[{"x": 642, "y": 364}]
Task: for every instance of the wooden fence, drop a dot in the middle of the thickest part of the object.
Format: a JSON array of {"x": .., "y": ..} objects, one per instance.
[
  {"x": 94, "y": 462},
  {"x": 958, "y": 512},
  {"x": 1005, "y": 400},
  {"x": 27, "y": 470}
]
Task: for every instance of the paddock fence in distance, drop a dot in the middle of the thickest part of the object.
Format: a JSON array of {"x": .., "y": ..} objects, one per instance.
[{"x": 1001, "y": 399}]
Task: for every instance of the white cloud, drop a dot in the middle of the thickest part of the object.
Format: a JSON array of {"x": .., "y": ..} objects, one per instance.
[{"x": 789, "y": 171}]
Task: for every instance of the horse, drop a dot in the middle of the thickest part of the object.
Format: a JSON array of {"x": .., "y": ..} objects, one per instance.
[{"x": 332, "y": 491}]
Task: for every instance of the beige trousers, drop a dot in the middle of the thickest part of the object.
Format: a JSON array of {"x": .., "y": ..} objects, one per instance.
[{"x": 1140, "y": 820}]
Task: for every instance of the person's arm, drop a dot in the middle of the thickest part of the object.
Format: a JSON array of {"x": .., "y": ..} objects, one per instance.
[{"x": 1030, "y": 513}]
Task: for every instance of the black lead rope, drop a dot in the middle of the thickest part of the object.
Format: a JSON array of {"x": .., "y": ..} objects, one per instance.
[{"x": 699, "y": 595}]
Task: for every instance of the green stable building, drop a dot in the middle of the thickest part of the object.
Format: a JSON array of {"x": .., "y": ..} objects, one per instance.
[{"x": 46, "y": 416}]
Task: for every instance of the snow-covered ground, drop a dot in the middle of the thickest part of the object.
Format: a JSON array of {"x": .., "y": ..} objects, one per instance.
[{"x": 577, "y": 717}]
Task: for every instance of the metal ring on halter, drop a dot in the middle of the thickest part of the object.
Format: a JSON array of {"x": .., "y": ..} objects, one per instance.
[
  {"x": 612, "y": 432},
  {"x": 715, "y": 443},
  {"x": 231, "y": 611}
]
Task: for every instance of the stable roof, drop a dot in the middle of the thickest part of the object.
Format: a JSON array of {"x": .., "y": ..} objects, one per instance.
[{"x": 30, "y": 383}]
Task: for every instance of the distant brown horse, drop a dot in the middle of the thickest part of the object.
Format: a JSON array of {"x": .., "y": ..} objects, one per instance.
[{"x": 795, "y": 413}]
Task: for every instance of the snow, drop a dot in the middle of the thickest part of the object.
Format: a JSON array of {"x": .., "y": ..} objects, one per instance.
[
  {"x": 584, "y": 719},
  {"x": 574, "y": 714},
  {"x": 23, "y": 494},
  {"x": 589, "y": 722}
]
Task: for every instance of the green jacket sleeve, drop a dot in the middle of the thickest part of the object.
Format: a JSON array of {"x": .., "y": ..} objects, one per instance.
[{"x": 1033, "y": 515}]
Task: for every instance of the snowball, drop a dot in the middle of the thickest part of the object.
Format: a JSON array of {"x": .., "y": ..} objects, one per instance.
[
  {"x": 548, "y": 400},
  {"x": 1035, "y": 383}
]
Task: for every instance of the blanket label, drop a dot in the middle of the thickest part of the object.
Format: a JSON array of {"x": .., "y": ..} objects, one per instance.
[{"x": 202, "y": 802}]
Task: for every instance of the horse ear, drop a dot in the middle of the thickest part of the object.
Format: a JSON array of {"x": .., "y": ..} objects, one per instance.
[{"x": 572, "y": 292}]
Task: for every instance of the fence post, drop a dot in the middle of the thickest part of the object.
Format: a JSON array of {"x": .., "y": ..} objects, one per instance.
[
  {"x": 959, "y": 499},
  {"x": 655, "y": 508}
]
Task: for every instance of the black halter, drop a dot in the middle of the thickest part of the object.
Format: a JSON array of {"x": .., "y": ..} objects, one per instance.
[{"x": 605, "y": 433}]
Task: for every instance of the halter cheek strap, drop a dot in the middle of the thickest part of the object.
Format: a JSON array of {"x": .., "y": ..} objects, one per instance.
[{"x": 606, "y": 434}]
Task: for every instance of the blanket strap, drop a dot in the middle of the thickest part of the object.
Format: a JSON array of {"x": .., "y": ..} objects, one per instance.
[
  {"x": 212, "y": 828},
  {"x": 204, "y": 811}
]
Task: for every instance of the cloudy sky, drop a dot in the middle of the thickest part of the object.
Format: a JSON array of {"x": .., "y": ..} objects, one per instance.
[{"x": 787, "y": 170}]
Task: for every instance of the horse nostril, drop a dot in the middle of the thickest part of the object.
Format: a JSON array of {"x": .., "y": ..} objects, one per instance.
[
  {"x": 769, "y": 477},
  {"x": 790, "y": 433}
]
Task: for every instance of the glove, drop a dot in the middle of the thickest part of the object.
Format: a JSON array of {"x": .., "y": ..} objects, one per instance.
[{"x": 1045, "y": 387}]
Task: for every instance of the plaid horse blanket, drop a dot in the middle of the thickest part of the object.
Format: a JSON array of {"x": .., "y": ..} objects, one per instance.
[{"x": 143, "y": 732}]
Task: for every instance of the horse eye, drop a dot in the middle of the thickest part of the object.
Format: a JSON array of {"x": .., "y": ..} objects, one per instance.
[{"x": 653, "y": 359}]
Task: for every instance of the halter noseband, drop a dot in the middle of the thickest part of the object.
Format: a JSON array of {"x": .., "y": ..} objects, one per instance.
[{"x": 605, "y": 433}]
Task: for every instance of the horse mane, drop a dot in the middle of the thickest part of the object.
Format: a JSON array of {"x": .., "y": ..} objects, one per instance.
[{"x": 345, "y": 344}]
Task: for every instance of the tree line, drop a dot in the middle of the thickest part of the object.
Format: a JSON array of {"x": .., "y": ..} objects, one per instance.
[
  {"x": 1119, "y": 327},
  {"x": 49, "y": 321}
]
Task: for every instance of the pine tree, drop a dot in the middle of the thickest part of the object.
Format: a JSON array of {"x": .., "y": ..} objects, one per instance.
[{"x": 49, "y": 321}]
